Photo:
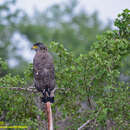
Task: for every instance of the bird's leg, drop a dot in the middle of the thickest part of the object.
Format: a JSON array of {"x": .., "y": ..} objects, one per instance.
[
  {"x": 44, "y": 98},
  {"x": 47, "y": 95},
  {"x": 49, "y": 98}
]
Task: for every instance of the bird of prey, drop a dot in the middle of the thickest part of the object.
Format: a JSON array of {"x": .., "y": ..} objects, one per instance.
[{"x": 43, "y": 68}]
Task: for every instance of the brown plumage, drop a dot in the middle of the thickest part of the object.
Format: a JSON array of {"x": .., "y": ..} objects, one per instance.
[{"x": 44, "y": 77}]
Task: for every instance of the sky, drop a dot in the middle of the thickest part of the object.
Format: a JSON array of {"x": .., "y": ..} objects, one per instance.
[{"x": 108, "y": 9}]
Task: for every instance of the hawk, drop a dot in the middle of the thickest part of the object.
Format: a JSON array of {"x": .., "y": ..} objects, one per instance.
[{"x": 43, "y": 68}]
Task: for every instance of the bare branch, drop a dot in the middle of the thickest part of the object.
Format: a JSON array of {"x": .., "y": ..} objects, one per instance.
[
  {"x": 2, "y": 117},
  {"x": 30, "y": 89},
  {"x": 87, "y": 122},
  {"x": 49, "y": 115}
]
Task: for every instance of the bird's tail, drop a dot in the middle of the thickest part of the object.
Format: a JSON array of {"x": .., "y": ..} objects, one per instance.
[{"x": 47, "y": 96}]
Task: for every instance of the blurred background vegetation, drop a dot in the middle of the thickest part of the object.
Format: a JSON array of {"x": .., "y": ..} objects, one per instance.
[{"x": 75, "y": 30}]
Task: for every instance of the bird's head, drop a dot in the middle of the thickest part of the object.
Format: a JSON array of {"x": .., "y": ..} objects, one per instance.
[{"x": 39, "y": 46}]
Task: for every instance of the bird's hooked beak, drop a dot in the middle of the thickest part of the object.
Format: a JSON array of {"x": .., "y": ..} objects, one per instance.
[{"x": 34, "y": 47}]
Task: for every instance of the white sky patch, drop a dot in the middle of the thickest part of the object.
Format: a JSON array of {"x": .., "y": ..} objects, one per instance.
[
  {"x": 30, "y": 5},
  {"x": 108, "y": 9},
  {"x": 24, "y": 47},
  {"x": 12, "y": 62}
]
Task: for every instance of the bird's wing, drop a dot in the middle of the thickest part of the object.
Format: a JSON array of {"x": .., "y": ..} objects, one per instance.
[{"x": 44, "y": 73}]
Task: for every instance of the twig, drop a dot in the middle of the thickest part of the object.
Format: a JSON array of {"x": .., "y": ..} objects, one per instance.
[
  {"x": 49, "y": 116},
  {"x": 87, "y": 122},
  {"x": 30, "y": 89},
  {"x": 2, "y": 117}
]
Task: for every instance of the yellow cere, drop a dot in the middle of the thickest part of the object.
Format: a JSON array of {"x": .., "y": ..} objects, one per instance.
[{"x": 34, "y": 47}]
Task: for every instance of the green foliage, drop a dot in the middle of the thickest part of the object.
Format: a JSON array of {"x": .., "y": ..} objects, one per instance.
[
  {"x": 28, "y": 72},
  {"x": 17, "y": 106},
  {"x": 123, "y": 23},
  {"x": 3, "y": 67},
  {"x": 3, "y": 64},
  {"x": 90, "y": 79}
]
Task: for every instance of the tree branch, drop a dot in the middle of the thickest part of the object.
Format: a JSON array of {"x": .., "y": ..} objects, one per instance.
[
  {"x": 49, "y": 116},
  {"x": 30, "y": 89},
  {"x": 88, "y": 121}
]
